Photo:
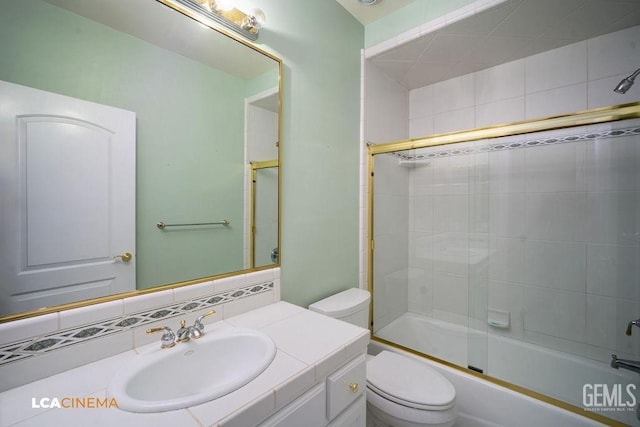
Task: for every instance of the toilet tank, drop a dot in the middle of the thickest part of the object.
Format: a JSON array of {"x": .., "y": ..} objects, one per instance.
[{"x": 351, "y": 306}]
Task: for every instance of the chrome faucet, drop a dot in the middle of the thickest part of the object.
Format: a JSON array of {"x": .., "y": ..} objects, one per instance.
[
  {"x": 631, "y": 365},
  {"x": 186, "y": 333},
  {"x": 168, "y": 338},
  {"x": 198, "y": 326},
  {"x": 631, "y": 324}
]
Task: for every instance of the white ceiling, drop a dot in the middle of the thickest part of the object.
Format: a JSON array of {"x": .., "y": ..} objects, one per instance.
[
  {"x": 512, "y": 30},
  {"x": 368, "y": 14}
]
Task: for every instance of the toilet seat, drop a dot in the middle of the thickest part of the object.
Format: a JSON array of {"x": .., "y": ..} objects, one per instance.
[
  {"x": 394, "y": 414},
  {"x": 409, "y": 383}
]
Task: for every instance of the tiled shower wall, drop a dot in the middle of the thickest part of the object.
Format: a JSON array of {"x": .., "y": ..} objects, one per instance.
[
  {"x": 387, "y": 120},
  {"x": 573, "y": 78},
  {"x": 392, "y": 241},
  {"x": 548, "y": 233},
  {"x": 565, "y": 80}
]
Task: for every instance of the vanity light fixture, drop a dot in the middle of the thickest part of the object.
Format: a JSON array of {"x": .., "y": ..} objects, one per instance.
[{"x": 224, "y": 13}]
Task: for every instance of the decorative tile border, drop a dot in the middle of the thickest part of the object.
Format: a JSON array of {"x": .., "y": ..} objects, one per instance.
[
  {"x": 534, "y": 142},
  {"x": 59, "y": 339}
]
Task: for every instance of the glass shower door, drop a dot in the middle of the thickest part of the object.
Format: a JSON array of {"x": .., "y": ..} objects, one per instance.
[{"x": 517, "y": 256}]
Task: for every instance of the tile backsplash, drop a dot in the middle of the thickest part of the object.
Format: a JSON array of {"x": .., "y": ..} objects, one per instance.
[{"x": 37, "y": 347}]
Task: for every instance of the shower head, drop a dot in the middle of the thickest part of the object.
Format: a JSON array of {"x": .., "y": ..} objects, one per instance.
[{"x": 626, "y": 83}]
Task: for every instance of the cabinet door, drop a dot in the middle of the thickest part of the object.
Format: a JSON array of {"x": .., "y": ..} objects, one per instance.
[
  {"x": 345, "y": 385},
  {"x": 354, "y": 416},
  {"x": 308, "y": 410}
]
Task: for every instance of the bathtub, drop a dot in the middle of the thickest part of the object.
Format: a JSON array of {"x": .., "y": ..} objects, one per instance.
[{"x": 482, "y": 403}]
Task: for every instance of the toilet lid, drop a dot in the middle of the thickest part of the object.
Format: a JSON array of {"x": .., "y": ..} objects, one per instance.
[{"x": 409, "y": 382}]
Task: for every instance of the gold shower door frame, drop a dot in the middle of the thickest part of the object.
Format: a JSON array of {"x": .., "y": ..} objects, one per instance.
[
  {"x": 583, "y": 118},
  {"x": 255, "y": 166}
]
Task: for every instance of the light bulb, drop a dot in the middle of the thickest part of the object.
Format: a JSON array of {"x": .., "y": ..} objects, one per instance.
[
  {"x": 223, "y": 5},
  {"x": 254, "y": 20},
  {"x": 259, "y": 17}
]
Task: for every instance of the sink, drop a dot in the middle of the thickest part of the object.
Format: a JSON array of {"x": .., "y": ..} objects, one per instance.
[{"x": 188, "y": 374}]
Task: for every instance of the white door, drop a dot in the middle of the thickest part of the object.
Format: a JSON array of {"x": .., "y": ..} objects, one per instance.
[{"x": 67, "y": 199}]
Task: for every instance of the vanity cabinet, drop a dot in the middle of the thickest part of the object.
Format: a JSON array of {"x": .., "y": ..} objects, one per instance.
[
  {"x": 308, "y": 410},
  {"x": 317, "y": 379},
  {"x": 339, "y": 401},
  {"x": 354, "y": 415}
]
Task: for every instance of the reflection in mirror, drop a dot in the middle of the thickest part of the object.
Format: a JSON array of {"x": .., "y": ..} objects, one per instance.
[
  {"x": 264, "y": 213},
  {"x": 180, "y": 103},
  {"x": 262, "y": 176}
]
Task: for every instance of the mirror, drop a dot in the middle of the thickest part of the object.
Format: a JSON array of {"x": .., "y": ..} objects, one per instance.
[
  {"x": 264, "y": 213},
  {"x": 204, "y": 107}
]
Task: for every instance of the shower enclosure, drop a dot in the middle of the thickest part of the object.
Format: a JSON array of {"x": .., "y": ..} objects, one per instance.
[
  {"x": 263, "y": 243},
  {"x": 514, "y": 252}
]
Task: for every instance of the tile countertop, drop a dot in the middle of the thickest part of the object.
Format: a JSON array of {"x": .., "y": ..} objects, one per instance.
[{"x": 310, "y": 346}]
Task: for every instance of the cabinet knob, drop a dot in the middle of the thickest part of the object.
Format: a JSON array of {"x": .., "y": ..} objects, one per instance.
[{"x": 355, "y": 387}]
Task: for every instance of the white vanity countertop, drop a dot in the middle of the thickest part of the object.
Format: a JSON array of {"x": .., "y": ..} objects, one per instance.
[{"x": 310, "y": 346}]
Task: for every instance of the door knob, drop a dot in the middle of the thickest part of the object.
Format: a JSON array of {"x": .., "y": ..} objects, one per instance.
[{"x": 125, "y": 257}]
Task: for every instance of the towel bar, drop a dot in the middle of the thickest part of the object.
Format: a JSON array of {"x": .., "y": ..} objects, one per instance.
[{"x": 161, "y": 225}]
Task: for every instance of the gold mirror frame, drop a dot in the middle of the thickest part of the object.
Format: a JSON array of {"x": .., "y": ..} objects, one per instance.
[
  {"x": 68, "y": 306},
  {"x": 588, "y": 117}
]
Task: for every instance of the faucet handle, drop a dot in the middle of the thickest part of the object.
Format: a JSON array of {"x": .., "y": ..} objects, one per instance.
[
  {"x": 168, "y": 338},
  {"x": 210, "y": 313},
  {"x": 199, "y": 326}
]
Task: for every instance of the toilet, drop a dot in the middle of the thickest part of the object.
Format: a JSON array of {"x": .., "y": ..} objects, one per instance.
[{"x": 401, "y": 391}]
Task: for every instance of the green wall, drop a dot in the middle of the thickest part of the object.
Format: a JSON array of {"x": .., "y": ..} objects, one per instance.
[
  {"x": 319, "y": 43},
  {"x": 410, "y": 16},
  {"x": 181, "y": 107}
]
